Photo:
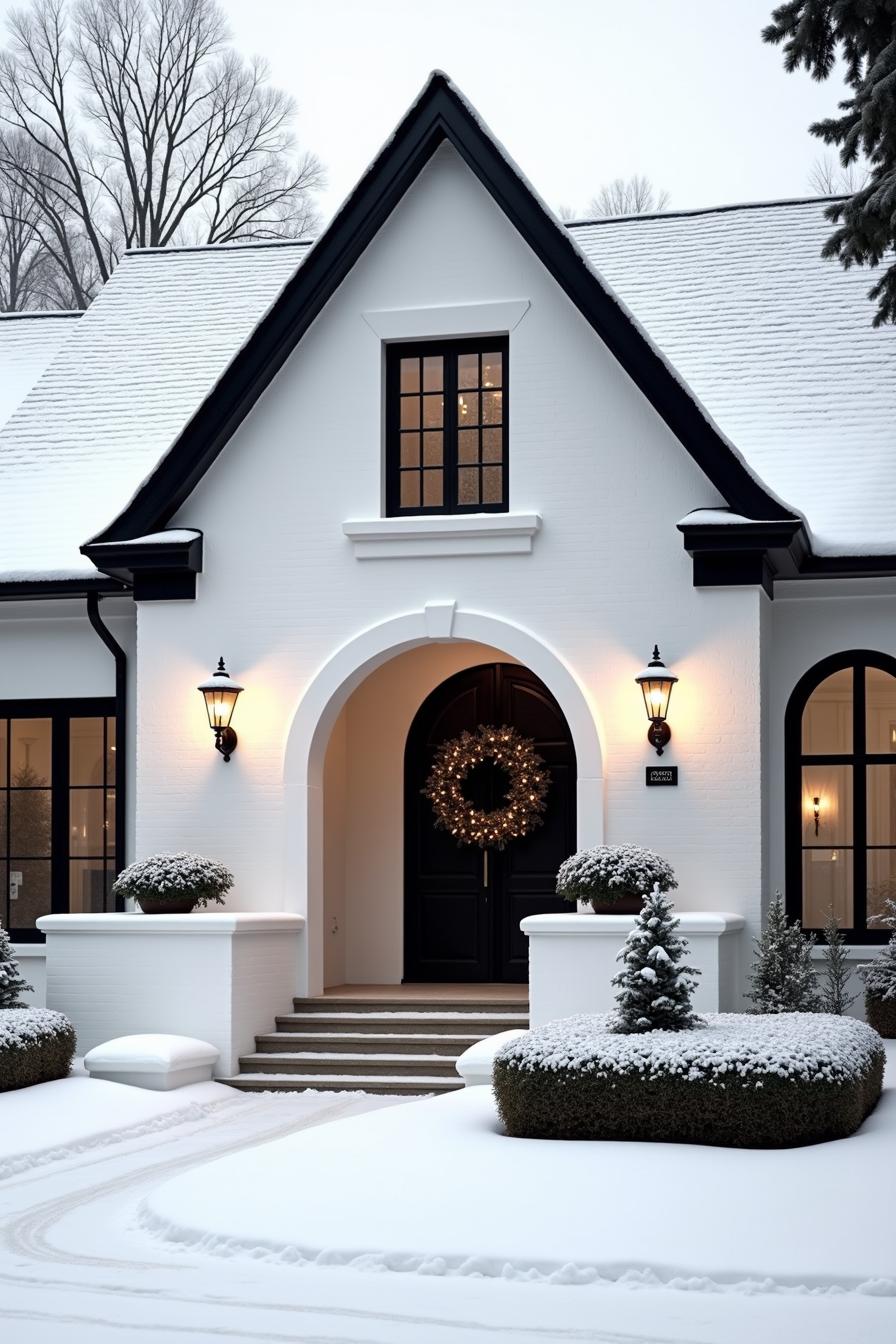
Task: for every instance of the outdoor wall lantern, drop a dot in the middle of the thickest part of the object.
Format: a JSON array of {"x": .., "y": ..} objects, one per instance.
[
  {"x": 221, "y": 693},
  {"x": 656, "y": 682}
]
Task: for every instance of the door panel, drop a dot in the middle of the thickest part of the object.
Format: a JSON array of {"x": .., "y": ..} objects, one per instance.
[{"x": 458, "y": 925}]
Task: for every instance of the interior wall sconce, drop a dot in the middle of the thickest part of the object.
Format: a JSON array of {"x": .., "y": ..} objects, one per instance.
[
  {"x": 221, "y": 693},
  {"x": 816, "y": 812},
  {"x": 656, "y": 682}
]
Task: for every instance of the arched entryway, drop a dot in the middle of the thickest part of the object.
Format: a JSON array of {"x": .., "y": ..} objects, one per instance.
[{"x": 463, "y": 905}]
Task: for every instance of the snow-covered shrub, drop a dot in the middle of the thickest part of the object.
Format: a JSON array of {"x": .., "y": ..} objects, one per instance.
[
  {"x": 12, "y": 985},
  {"x": 36, "y": 1046},
  {"x": 836, "y": 970},
  {"x": 612, "y": 872},
  {"x": 783, "y": 979},
  {"x": 654, "y": 988},
  {"x": 743, "y": 1081},
  {"x": 880, "y": 990},
  {"x": 174, "y": 879}
]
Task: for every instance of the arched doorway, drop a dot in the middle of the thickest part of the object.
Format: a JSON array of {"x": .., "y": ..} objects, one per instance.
[{"x": 463, "y": 906}]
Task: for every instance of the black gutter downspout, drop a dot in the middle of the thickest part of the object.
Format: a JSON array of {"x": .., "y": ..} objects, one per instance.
[{"x": 121, "y": 691}]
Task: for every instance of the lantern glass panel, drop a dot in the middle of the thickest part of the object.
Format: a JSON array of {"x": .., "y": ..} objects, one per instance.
[
  {"x": 657, "y": 692},
  {"x": 219, "y": 702}
]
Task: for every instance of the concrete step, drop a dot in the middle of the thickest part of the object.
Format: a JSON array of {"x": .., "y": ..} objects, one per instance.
[
  {"x": 404, "y": 1022},
  {"x": 308, "y": 1061},
  {"x": 367, "y": 1042},
  {"x": 381, "y": 1084},
  {"x": 330, "y": 1002}
]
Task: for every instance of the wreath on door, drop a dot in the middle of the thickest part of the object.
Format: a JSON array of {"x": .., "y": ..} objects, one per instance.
[{"x": 528, "y": 782}]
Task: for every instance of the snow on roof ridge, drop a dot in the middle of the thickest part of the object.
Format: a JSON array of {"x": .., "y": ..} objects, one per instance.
[
  {"x": 43, "y": 312},
  {"x": 784, "y": 202},
  {"x": 246, "y": 245}
]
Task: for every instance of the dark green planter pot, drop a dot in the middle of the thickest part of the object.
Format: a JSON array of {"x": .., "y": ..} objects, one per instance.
[
  {"x": 881, "y": 1015},
  {"x": 625, "y": 905},
  {"x": 157, "y": 905}
]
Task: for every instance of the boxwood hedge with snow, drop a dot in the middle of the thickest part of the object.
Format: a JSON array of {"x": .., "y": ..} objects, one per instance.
[
  {"x": 36, "y": 1046},
  {"x": 742, "y": 1081}
]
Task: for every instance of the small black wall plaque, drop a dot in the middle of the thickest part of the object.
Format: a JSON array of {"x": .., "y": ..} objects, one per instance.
[{"x": 661, "y": 774}]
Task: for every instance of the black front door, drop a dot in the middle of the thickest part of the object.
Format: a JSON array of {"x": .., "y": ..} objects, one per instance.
[{"x": 463, "y": 906}]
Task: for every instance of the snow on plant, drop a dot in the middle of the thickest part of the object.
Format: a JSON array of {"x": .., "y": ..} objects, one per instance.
[
  {"x": 36, "y": 1046},
  {"x": 12, "y": 985},
  {"x": 835, "y": 983},
  {"x": 654, "y": 988},
  {"x": 733, "y": 1047},
  {"x": 880, "y": 975},
  {"x": 609, "y": 872},
  {"x": 782, "y": 978},
  {"x": 174, "y": 877}
]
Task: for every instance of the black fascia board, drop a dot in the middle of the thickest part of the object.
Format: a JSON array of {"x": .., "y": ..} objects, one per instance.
[
  {"x": 440, "y": 114},
  {"x": 26, "y": 590},
  {"x": 158, "y": 571}
]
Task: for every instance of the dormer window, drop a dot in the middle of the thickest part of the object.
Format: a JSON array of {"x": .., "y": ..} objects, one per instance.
[{"x": 446, "y": 427}]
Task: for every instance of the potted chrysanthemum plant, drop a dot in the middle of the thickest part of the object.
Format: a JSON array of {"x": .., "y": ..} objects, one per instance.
[
  {"x": 614, "y": 878},
  {"x": 173, "y": 884}
]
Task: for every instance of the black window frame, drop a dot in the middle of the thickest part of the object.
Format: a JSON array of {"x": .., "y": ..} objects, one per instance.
[
  {"x": 449, "y": 350},
  {"x": 856, "y": 660},
  {"x": 61, "y": 713}
]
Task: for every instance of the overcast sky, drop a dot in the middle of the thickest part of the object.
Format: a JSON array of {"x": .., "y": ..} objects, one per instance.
[{"x": 579, "y": 91}]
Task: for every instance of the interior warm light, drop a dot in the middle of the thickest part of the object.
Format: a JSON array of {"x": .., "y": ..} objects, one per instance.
[
  {"x": 656, "y": 682},
  {"x": 221, "y": 693}
]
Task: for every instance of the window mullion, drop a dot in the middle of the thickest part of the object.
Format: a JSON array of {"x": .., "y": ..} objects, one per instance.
[
  {"x": 450, "y": 422},
  {"x": 860, "y": 801}
]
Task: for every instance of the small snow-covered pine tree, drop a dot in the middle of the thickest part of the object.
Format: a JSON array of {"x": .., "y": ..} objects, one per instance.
[
  {"x": 782, "y": 977},
  {"x": 879, "y": 975},
  {"x": 834, "y": 992},
  {"x": 654, "y": 988},
  {"x": 11, "y": 983}
]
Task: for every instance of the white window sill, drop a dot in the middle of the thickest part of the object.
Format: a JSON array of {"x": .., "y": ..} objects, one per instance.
[{"x": 442, "y": 534}]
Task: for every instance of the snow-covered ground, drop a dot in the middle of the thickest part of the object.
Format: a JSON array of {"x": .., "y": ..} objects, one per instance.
[{"x": 78, "y": 1263}]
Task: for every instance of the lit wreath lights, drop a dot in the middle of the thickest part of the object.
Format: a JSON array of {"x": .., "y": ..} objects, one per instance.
[{"x": 526, "y": 791}]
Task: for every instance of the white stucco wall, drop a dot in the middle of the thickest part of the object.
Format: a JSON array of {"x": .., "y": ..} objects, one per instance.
[{"x": 607, "y": 576}]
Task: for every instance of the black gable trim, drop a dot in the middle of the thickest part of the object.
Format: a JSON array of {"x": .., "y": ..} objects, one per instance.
[{"x": 439, "y": 114}]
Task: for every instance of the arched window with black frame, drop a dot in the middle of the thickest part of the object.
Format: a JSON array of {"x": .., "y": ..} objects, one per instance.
[{"x": 840, "y": 784}]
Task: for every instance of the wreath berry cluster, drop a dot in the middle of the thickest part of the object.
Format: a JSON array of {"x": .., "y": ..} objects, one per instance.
[{"x": 526, "y": 791}]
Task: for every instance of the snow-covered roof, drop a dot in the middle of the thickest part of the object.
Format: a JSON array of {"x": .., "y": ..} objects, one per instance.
[
  {"x": 120, "y": 390},
  {"x": 777, "y": 344},
  {"x": 28, "y": 342}
]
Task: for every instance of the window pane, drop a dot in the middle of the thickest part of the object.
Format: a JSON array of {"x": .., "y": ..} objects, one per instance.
[
  {"x": 410, "y": 375},
  {"x": 88, "y": 886},
  {"x": 30, "y": 751},
  {"x": 4, "y": 729},
  {"x": 827, "y": 718},
  {"x": 492, "y": 485},
  {"x": 29, "y": 823},
  {"x": 4, "y": 894},
  {"x": 86, "y": 751},
  {"x": 410, "y": 450},
  {"x": 492, "y": 369},
  {"x": 432, "y": 373},
  {"x": 4, "y": 797},
  {"x": 432, "y": 412},
  {"x": 492, "y": 408},
  {"x": 831, "y": 786},
  {"x": 110, "y": 751},
  {"x": 432, "y": 489},
  {"x": 468, "y": 445},
  {"x": 410, "y": 490},
  {"x": 492, "y": 446},
  {"x": 110, "y": 823},
  {"x": 86, "y": 816},
  {"x": 881, "y": 804},
  {"x": 880, "y": 710},
  {"x": 881, "y": 882},
  {"x": 410, "y": 412},
  {"x": 29, "y": 892},
  {"x": 468, "y": 485},
  {"x": 827, "y": 885},
  {"x": 468, "y": 370},
  {"x": 432, "y": 448},
  {"x": 467, "y": 408}
]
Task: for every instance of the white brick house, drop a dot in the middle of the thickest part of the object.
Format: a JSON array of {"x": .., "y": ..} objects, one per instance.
[{"x": 674, "y": 429}]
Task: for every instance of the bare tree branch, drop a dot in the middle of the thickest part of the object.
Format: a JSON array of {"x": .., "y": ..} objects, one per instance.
[
  {"x": 828, "y": 177},
  {"x": 147, "y": 129},
  {"x": 634, "y": 195}
]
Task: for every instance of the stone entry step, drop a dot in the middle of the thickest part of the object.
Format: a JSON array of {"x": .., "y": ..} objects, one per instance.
[{"x": 401, "y": 1045}]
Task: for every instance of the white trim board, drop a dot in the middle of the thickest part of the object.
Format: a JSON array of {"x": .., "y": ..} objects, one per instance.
[
  {"x": 442, "y": 534},
  {"x": 457, "y": 319}
]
